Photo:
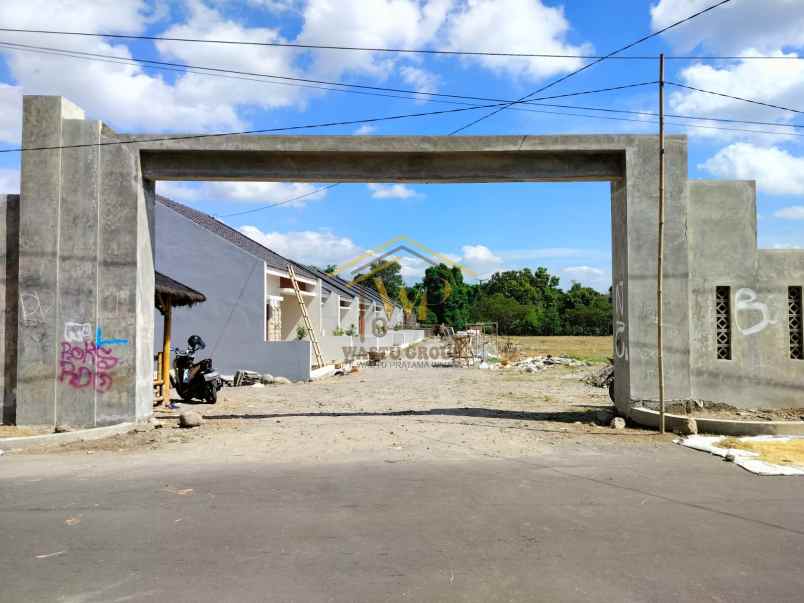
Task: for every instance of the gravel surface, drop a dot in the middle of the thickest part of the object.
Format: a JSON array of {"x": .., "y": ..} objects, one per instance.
[{"x": 397, "y": 414}]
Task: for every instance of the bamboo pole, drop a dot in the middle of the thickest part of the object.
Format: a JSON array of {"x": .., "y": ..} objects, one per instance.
[
  {"x": 660, "y": 258},
  {"x": 168, "y": 311}
]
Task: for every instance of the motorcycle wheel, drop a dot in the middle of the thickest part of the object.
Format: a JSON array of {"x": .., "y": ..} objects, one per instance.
[{"x": 212, "y": 394}]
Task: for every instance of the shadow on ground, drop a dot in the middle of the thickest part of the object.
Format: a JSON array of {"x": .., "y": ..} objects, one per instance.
[{"x": 570, "y": 416}]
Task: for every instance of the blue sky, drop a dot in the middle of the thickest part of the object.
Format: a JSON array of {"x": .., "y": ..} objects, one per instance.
[{"x": 565, "y": 227}]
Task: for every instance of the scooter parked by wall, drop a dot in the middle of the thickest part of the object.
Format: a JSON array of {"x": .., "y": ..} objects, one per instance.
[{"x": 195, "y": 379}]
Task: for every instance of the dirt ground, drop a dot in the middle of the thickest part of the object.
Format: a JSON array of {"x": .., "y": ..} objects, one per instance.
[
  {"x": 593, "y": 349},
  {"x": 398, "y": 414}
]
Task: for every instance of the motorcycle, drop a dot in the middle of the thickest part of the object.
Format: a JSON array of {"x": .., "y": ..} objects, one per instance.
[{"x": 195, "y": 379}]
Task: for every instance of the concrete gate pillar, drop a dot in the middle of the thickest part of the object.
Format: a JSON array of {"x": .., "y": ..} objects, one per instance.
[{"x": 85, "y": 344}]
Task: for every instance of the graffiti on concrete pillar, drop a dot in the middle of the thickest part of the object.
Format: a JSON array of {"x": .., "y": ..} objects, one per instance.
[
  {"x": 77, "y": 332},
  {"x": 31, "y": 309},
  {"x": 100, "y": 342},
  {"x": 620, "y": 338},
  {"x": 84, "y": 365},
  {"x": 745, "y": 300},
  {"x": 117, "y": 303}
]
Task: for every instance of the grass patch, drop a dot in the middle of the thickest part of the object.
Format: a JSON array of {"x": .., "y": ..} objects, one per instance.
[
  {"x": 777, "y": 452},
  {"x": 590, "y": 349}
]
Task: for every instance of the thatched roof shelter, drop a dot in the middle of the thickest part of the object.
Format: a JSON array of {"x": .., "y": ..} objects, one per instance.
[{"x": 172, "y": 293}]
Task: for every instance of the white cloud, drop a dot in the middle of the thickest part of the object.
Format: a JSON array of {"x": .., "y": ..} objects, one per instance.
[
  {"x": 480, "y": 259},
  {"x": 9, "y": 181},
  {"x": 786, "y": 246},
  {"x": 127, "y": 97},
  {"x": 206, "y": 23},
  {"x": 275, "y": 6},
  {"x": 588, "y": 276},
  {"x": 317, "y": 247},
  {"x": 517, "y": 26},
  {"x": 376, "y": 24},
  {"x": 778, "y": 82},
  {"x": 365, "y": 130},
  {"x": 766, "y": 24},
  {"x": 392, "y": 191},
  {"x": 120, "y": 16},
  {"x": 421, "y": 79},
  {"x": 776, "y": 171},
  {"x": 10, "y": 112},
  {"x": 121, "y": 94},
  {"x": 796, "y": 212},
  {"x": 243, "y": 192},
  {"x": 514, "y": 26}
]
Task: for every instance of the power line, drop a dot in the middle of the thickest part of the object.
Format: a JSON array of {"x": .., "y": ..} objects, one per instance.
[
  {"x": 374, "y": 90},
  {"x": 625, "y": 119},
  {"x": 244, "y": 132},
  {"x": 595, "y": 62},
  {"x": 675, "y": 115},
  {"x": 285, "y": 202},
  {"x": 745, "y": 100},
  {"x": 427, "y": 51},
  {"x": 220, "y": 72}
]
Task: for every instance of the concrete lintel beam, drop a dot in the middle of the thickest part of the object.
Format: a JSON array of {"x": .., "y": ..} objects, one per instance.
[{"x": 389, "y": 166}]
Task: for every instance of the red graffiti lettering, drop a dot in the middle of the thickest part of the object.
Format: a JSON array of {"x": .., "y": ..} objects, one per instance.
[{"x": 83, "y": 365}]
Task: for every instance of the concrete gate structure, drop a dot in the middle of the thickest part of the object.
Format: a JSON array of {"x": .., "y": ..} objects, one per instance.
[{"x": 77, "y": 339}]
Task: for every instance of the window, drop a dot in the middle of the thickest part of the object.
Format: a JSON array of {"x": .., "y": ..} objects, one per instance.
[
  {"x": 796, "y": 322},
  {"x": 723, "y": 322}
]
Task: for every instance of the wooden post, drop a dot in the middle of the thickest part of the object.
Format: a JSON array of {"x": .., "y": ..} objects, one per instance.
[
  {"x": 168, "y": 311},
  {"x": 660, "y": 259}
]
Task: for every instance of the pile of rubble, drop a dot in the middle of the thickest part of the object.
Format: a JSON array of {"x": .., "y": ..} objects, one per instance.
[
  {"x": 600, "y": 378},
  {"x": 244, "y": 378},
  {"x": 539, "y": 363}
]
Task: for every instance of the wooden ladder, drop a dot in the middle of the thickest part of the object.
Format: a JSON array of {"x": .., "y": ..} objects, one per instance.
[{"x": 306, "y": 317}]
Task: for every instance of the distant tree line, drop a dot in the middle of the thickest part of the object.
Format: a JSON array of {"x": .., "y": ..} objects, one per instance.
[{"x": 522, "y": 302}]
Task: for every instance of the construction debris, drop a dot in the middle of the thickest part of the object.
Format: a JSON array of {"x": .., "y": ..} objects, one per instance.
[
  {"x": 539, "y": 363},
  {"x": 600, "y": 378},
  {"x": 244, "y": 377}
]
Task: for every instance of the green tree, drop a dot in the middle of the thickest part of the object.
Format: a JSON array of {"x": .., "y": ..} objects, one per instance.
[
  {"x": 387, "y": 275},
  {"x": 447, "y": 295}
]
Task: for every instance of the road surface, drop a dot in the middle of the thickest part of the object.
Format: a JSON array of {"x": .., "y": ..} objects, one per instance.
[{"x": 638, "y": 523}]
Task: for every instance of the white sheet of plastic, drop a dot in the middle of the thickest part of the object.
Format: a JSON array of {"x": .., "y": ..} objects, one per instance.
[{"x": 744, "y": 458}]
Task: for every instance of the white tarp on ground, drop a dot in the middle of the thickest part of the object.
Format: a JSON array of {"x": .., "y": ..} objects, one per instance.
[{"x": 744, "y": 458}]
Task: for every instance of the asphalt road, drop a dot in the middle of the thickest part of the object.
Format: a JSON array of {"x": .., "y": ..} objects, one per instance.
[{"x": 637, "y": 524}]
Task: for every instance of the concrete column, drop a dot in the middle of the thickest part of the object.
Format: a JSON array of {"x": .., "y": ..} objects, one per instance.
[
  {"x": 76, "y": 303},
  {"x": 40, "y": 211},
  {"x": 9, "y": 270},
  {"x": 86, "y": 281},
  {"x": 641, "y": 234}
]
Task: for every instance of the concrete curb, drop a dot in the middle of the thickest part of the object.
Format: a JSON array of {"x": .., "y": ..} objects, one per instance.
[
  {"x": 650, "y": 418},
  {"x": 56, "y": 439}
]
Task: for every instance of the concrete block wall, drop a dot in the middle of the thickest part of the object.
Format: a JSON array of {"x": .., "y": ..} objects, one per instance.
[{"x": 723, "y": 252}]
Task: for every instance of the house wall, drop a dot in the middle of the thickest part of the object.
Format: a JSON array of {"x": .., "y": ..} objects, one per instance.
[
  {"x": 350, "y": 317},
  {"x": 333, "y": 347},
  {"x": 231, "y": 321},
  {"x": 329, "y": 311}
]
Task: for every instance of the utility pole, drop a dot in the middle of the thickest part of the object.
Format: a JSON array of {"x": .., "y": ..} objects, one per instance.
[{"x": 660, "y": 259}]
